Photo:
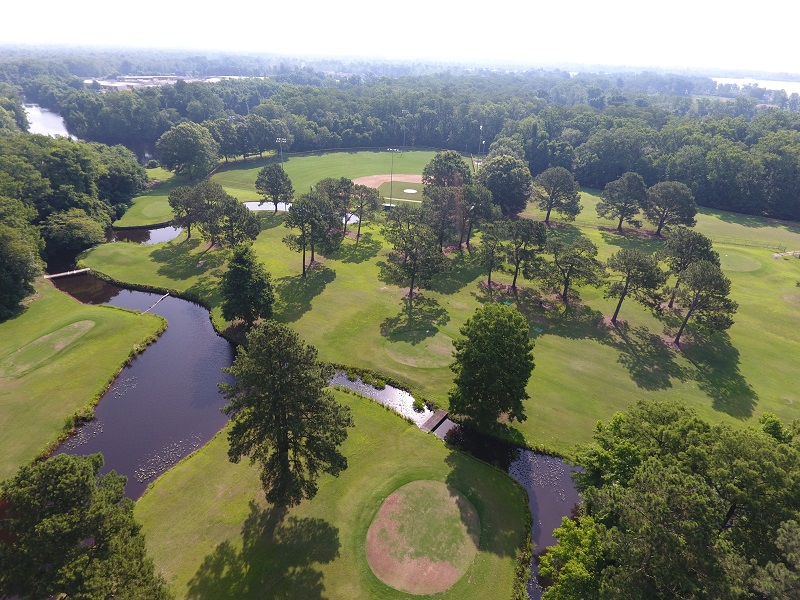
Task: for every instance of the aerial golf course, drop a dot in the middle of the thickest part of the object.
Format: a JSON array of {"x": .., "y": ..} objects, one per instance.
[{"x": 208, "y": 528}]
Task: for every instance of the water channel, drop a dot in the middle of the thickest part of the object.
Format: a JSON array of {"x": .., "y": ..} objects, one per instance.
[
  {"x": 166, "y": 404},
  {"x": 45, "y": 122}
]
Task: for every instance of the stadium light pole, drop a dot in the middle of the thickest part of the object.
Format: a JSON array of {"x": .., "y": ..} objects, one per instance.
[
  {"x": 391, "y": 175},
  {"x": 280, "y": 141},
  {"x": 405, "y": 114}
]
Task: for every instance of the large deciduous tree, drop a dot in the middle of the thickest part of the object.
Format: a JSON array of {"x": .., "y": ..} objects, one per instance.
[
  {"x": 188, "y": 149},
  {"x": 623, "y": 199},
  {"x": 187, "y": 207},
  {"x": 509, "y": 181},
  {"x": 447, "y": 169},
  {"x": 641, "y": 278},
  {"x": 283, "y": 416},
  {"x": 670, "y": 203},
  {"x": 70, "y": 532},
  {"x": 704, "y": 296},
  {"x": 682, "y": 248},
  {"x": 365, "y": 203},
  {"x": 493, "y": 363},
  {"x": 20, "y": 251},
  {"x": 574, "y": 263},
  {"x": 416, "y": 256},
  {"x": 675, "y": 507},
  {"x": 556, "y": 189},
  {"x": 246, "y": 287},
  {"x": 273, "y": 183},
  {"x": 525, "y": 238}
]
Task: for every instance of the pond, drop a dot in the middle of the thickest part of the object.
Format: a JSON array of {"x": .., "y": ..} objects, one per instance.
[
  {"x": 157, "y": 235},
  {"x": 165, "y": 404}
]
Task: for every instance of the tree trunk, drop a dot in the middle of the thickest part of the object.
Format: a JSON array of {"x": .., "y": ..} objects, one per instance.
[
  {"x": 621, "y": 298},
  {"x": 674, "y": 293},
  {"x": 619, "y": 225},
  {"x": 360, "y": 218},
  {"x": 547, "y": 216},
  {"x": 660, "y": 225},
  {"x": 276, "y": 206},
  {"x": 516, "y": 272},
  {"x": 490, "y": 282},
  {"x": 689, "y": 312},
  {"x": 469, "y": 233},
  {"x": 411, "y": 291},
  {"x": 304, "y": 260}
]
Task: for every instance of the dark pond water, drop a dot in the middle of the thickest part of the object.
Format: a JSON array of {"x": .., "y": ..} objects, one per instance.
[
  {"x": 157, "y": 235},
  {"x": 166, "y": 403}
]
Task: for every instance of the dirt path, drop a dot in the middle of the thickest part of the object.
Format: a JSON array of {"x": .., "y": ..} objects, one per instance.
[{"x": 376, "y": 180}]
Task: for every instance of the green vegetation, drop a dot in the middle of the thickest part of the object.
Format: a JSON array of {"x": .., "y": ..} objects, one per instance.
[
  {"x": 584, "y": 372},
  {"x": 56, "y": 358},
  {"x": 151, "y": 207},
  {"x": 239, "y": 178},
  {"x": 317, "y": 549}
]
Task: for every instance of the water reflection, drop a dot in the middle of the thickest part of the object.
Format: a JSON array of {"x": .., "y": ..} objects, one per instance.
[
  {"x": 166, "y": 403},
  {"x": 157, "y": 235}
]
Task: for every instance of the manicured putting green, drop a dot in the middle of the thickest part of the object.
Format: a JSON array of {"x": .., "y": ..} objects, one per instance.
[
  {"x": 732, "y": 261},
  {"x": 38, "y": 351},
  {"x": 424, "y": 538}
]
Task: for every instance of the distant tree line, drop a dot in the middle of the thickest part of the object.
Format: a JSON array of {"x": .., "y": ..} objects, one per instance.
[{"x": 740, "y": 153}]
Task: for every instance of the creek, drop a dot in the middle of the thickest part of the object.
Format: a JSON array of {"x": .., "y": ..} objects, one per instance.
[{"x": 166, "y": 404}]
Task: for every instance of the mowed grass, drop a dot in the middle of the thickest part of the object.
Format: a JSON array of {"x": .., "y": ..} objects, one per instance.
[
  {"x": 397, "y": 190},
  {"x": 55, "y": 357},
  {"x": 152, "y": 206},
  {"x": 239, "y": 179},
  {"x": 584, "y": 372},
  {"x": 214, "y": 537}
]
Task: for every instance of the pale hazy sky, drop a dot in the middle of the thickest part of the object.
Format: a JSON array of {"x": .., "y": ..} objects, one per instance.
[{"x": 680, "y": 33}]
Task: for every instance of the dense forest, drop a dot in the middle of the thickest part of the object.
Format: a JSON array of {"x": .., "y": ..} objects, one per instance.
[{"x": 736, "y": 149}]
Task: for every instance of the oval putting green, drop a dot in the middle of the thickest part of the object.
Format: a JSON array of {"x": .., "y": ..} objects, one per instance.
[
  {"x": 424, "y": 538},
  {"x": 733, "y": 261}
]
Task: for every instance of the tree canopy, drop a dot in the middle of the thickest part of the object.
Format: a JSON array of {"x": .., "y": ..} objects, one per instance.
[
  {"x": 493, "y": 363},
  {"x": 670, "y": 203},
  {"x": 72, "y": 532},
  {"x": 188, "y": 149},
  {"x": 641, "y": 277},
  {"x": 674, "y": 507},
  {"x": 273, "y": 183},
  {"x": 447, "y": 169},
  {"x": 509, "y": 181},
  {"x": 283, "y": 417},
  {"x": 623, "y": 199},
  {"x": 557, "y": 189},
  {"x": 704, "y": 296},
  {"x": 246, "y": 287}
]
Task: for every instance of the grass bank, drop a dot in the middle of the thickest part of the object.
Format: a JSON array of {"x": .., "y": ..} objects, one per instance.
[
  {"x": 57, "y": 357},
  {"x": 317, "y": 549}
]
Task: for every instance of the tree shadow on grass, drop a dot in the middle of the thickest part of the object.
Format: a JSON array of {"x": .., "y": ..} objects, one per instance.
[
  {"x": 178, "y": 261},
  {"x": 270, "y": 220},
  {"x": 295, "y": 293},
  {"x": 718, "y": 375},
  {"x": 463, "y": 270},
  {"x": 634, "y": 239},
  {"x": 366, "y": 249},
  {"x": 276, "y": 559},
  {"x": 650, "y": 363},
  {"x": 416, "y": 322},
  {"x": 498, "y": 533}
]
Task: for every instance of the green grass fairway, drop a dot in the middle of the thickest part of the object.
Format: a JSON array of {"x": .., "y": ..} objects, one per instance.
[
  {"x": 239, "y": 179},
  {"x": 152, "y": 207},
  {"x": 54, "y": 358},
  {"x": 423, "y": 538},
  {"x": 584, "y": 372},
  {"x": 213, "y": 537}
]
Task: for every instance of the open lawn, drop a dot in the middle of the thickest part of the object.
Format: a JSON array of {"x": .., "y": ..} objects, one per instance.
[
  {"x": 152, "y": 207},
  {"x": 55, "y": 356},
  {"x": 239, "y": 179},
  {"x": 583, "y": 372},
  {"x": 248, "y": 549}
]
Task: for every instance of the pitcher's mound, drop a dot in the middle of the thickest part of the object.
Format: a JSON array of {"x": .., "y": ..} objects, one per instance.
[{"x": 423, "y": 538}]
